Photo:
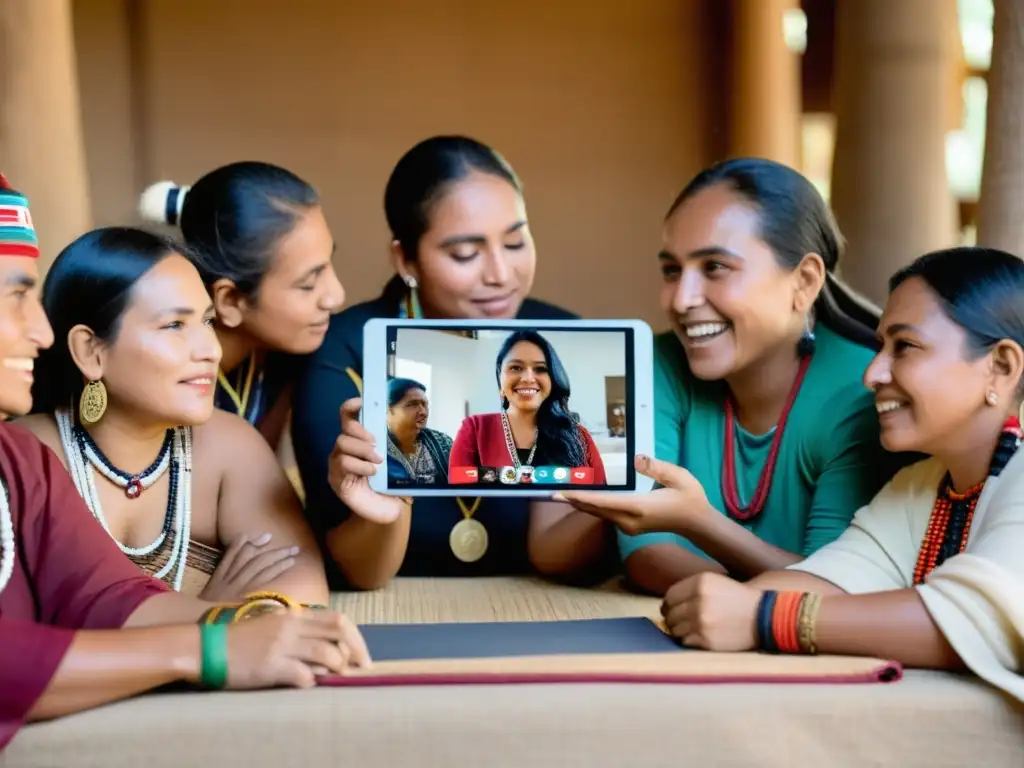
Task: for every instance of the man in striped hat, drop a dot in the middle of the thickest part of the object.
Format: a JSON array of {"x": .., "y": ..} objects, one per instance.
[
  {"x": 24, "y": 329},
  {"x": 17, "y": 235}
]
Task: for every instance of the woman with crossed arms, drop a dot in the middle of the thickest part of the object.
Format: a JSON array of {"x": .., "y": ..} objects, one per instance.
[{"x": 80, "y": 625}]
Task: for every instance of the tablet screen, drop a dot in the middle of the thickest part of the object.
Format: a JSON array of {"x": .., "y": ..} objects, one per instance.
[{"x": 510, "y": 409}]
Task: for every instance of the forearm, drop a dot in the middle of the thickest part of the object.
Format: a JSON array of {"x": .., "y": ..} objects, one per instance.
[
  {"x": 565, "y": 544},
  {"x": 166, "y": 609},
  {"x": 891, "y": 625},
  {"x": 742, "y": 553},
  {"x": 108, "y": 665},
  {"x": 305, "y": 581},
  {"x": 369, "y": 554},
  {"x": 794, "y": 581},
  {"x": 657, "y": 567}
]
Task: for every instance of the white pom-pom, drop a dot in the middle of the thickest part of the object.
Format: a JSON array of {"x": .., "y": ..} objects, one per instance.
[{"x": 162, "y": 202}]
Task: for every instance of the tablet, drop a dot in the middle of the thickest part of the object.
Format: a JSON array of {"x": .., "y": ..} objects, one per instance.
[{"x": 508, "y": 407}]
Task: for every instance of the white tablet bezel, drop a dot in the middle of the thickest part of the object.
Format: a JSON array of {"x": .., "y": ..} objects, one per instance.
[{"x": 375, "y": 377}]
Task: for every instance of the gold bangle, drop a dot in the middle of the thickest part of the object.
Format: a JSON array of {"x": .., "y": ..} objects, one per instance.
[
  {"x": 806, "y": 623},
  {"x": 255, "y": 608},
  {"x": 277, "y": 597}
]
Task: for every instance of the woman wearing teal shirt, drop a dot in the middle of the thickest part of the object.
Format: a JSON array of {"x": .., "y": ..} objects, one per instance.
[{"x": 757, "y": 388}]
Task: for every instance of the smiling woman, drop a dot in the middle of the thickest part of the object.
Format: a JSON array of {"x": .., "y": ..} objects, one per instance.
[
  {"x": 757, "y": 388},
  {"x": 258, "y": 237},
  {"x": 126, "y": 399},
  {"x": 462, "y": 248}
]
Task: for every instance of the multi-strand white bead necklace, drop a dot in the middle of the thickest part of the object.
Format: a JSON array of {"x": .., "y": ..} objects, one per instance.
[
  {"x": 84, "y": 456},
  {"x": 6, "y": 537}
]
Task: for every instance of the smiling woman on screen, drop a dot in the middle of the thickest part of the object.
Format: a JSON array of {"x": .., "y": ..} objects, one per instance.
[{"x": 535, "y": 425}]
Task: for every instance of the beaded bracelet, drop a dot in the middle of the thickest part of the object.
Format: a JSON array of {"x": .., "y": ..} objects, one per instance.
[{"x": 786, "y": 622}]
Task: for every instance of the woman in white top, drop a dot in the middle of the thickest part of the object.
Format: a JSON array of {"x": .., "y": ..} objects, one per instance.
[{"x": 931, "y": 572}]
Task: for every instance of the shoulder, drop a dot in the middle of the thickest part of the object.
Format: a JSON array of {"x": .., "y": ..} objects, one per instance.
[
  {"x": 441, "y": 437},
  {"x": 535, "y": 309},
  {"x": 921, "y": 478},
  {"x": 41, "y": 426},
  {"x": 20, "y": 438},
  {"x": 482, "y": 422},
  {"x": 227, "y": 440},
  {"x": 838, "y": 363}
]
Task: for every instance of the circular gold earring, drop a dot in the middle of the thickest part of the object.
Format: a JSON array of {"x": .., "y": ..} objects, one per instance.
[{"x": 93, "y": 402}]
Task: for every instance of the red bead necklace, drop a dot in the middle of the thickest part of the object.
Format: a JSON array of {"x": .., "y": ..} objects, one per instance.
[
  {"x": 730, "y": 493},
  {"x": 943, "y": 517}
]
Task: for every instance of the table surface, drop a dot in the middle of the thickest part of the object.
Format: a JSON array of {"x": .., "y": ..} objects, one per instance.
[{"x": 927, "y": 719}]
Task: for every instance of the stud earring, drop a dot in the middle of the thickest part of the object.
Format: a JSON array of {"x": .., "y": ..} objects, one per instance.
[
  {"x": 410, "y": 282},
  {"x": 93, "y": 402},
  {"x": 805, "y": 347},
  {"x": 992, "y": 398}
]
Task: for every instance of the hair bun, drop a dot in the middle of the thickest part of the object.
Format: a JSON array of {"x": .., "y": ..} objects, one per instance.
[{"x": 162, "y": 202}]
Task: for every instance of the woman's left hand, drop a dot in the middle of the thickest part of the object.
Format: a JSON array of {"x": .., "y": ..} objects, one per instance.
[
  {"x": 664, "y": 510},
  {"x": 712, "y": 612}
]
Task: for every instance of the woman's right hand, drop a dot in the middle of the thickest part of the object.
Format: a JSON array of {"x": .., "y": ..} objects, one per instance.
[
  {"x": 284, "y": 649},
  {"x": 247, "y": 565},
  {"x": 354, "y": 460}
]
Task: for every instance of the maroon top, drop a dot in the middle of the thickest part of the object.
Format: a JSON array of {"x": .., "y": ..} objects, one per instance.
[
  {"x": 68, "y": 575},
  {"x": 481, "y": 443}
]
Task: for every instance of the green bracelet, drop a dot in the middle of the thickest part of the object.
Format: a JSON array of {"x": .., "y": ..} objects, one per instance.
[{"x": 214, "y": 642}]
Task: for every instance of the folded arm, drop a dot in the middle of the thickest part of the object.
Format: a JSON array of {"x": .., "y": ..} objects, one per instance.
[{"x": 256, "y": 497}]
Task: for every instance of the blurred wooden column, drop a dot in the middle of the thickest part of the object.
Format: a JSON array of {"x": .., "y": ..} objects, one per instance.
[
  {"x": 1001, "y": 213},
  {"x": 765, "y": 105},
  {"x": 41, "y": 146},
  {"x": 890, "y": 191}
]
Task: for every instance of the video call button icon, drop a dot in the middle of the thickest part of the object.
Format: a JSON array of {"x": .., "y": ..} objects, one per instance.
[{"x": 463, "y": 475}]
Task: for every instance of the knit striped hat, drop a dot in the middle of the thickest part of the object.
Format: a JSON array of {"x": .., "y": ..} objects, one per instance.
[{"x": 17, "y": 235}]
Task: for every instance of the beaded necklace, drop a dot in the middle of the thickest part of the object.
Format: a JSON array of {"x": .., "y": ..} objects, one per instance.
[
  {"x": 6, "y": 537},
  {"x": 730, "y": 491},
  {"x": 85, "y": 458},
  {"x": 950, "y": 524}
]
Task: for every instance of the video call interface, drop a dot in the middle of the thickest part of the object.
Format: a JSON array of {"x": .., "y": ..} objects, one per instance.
[{"x": 510, "y": 409}]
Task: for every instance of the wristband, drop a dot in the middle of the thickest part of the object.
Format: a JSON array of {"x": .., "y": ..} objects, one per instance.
[
  {"x": 765, "y": 638},
  {"x": 213, "y": 640}
]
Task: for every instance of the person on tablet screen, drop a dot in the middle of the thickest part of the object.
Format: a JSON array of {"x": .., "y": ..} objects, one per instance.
[
  {"x": 757, "y": 388},
  {"x": 462, "y": 248},
  {"x": 930, "y": 572},
  {"x": 416, "y": 453},
  {"x": 535, "y": 426}
]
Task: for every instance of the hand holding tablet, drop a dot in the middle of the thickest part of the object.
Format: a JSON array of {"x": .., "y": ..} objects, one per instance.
[{"x": 506, "y": 407}]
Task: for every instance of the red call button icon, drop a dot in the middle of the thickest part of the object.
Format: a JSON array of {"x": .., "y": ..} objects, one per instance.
[
  {"x": 461, "y": 475},
  {"x": 581, "y": 476}
]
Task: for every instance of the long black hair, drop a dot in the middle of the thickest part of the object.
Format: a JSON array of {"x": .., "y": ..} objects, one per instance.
[
  {"x": 559, "y": 441},
  {"x": 90, "y": 283},
  {"x": 795, "y": 221},
  {"x": 421, "y": 178},
  {"x": 982, "y": 291},
  {"x": 232, "y": 218}
]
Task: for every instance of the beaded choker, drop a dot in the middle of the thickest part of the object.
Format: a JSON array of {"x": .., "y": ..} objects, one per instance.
[
  {"x": 950, "y": 524},
  {"x": 85, "y": 459},
  {"x": 730, "y": 492}
]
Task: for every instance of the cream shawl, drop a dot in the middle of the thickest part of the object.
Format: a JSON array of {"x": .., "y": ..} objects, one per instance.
[{"x": 975, "y": 598}]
